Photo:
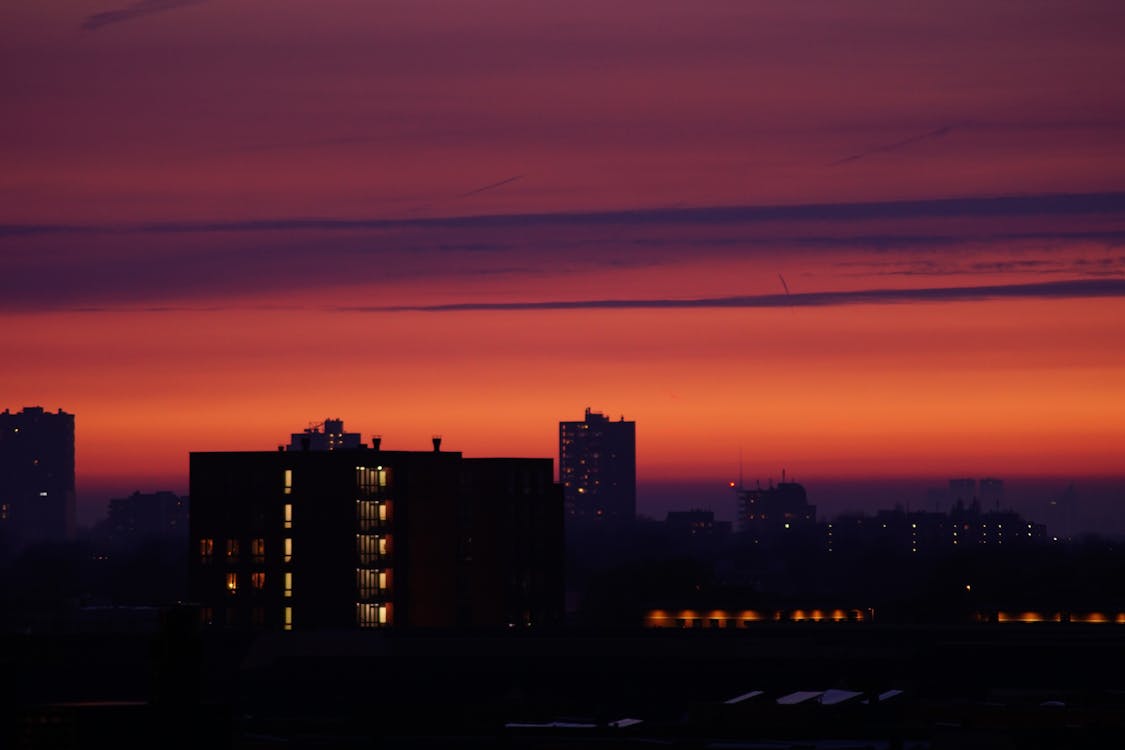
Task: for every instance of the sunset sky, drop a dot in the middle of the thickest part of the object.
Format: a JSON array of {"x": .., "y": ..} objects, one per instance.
[{"x": 854, "y": 239}]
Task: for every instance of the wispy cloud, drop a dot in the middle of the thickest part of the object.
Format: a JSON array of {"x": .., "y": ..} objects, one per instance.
[
  {"x": 1067, "y": 204},
  {"x": 136, "y": 10},
  {"x": 1046, "y": 290}
]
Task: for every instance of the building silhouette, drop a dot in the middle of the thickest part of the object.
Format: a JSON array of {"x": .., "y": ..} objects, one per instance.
[
  {"x": 37, "y": 499},
  {"x": 962, "y": 491},
  {"x": 991, "y": 493},
  {"x": 144, "y": 516},
  {"x": 774, "y": 513},
  {"x": 328, "y": 435},
  {"x": 598, "y": 468},
  {"x": 368, "y": 538}
]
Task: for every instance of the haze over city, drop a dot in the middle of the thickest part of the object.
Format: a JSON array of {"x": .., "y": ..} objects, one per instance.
[{"x": 865, "y": 242}]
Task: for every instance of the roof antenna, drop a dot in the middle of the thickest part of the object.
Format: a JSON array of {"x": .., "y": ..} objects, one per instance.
[{"x": 740, "y": 467}]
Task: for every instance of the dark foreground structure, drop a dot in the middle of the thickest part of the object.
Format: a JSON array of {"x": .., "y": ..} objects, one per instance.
[
  {"x": 786, "y": 685},
  {"x": 369, "y": 538}
]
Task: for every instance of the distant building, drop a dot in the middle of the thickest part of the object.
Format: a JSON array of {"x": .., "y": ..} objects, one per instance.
[
  {"x": 695, "y": 523},
  {"x": 598, "y": 468},
  {"x": 774, "y": 513},
  {"x": 366, "y": 538},
  {"x": 991, "y": 493},
  {"x": 331, "y": 437},
  {"x": 962, "y": 528},
  {"x": 962, "y": 490},
  {"x": 145, "y": 516},
  {"x": 37, "y": 499}
]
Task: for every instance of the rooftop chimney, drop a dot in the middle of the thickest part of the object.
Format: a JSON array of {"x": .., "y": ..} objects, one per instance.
[
  {"x": 375, "y": 441},
  {"x": 437, "y": 443}
]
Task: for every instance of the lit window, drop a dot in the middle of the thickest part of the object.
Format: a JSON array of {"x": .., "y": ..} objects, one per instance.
[
  {"x": 371, "y": 582},
  {"x": 232, "y": 549},
  {"x": 288, "y": 556},
  {"x": 372, "y": 615},
  {"x": 206, "y": 549},
  {"x": 288, "y": 516},
  {"x": 288, "y": 481},
  {"x": 371, "y": 547},
  {"x": 258, "y": 549},
  {"x": 232, "y": 582},
  {"x": 288, "y": 622},
  {"x": 288, "y": 584},
  {"x": 258, "y": 580},
  {"x": 371, "y": 480}
]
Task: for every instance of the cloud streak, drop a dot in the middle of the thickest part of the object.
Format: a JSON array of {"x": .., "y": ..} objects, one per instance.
[
  {"x": 1084, "y": 288},
  {"x": 136, "y": 10},
  {"x": 1069, "y": 204}
]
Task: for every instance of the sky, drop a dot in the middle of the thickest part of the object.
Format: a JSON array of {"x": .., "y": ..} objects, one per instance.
[{"x": 861, "y": 241}]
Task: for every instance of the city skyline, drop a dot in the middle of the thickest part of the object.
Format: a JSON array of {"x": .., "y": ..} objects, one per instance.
[{"x": 861, "y": 242}]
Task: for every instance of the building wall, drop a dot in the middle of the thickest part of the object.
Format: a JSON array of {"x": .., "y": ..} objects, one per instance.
[
  {"x": 37, "y": 492},
  {"x": 598, "y": 467},
  {"x": 456, "y": 533}
]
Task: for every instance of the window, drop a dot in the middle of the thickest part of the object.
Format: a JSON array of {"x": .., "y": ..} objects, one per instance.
[
  {"x": 258, "y": 617},
  {"x": 370, "y": 583},
  {"x": 207, "y": 616},
  {"x": 232, "y": 583},
  {"x": 258, "y": 549},
  {"x": 232, "y": 550},
  {"x": 287, "y": 622},
  {"x": 206, "y": 550},
  {"x": 372, "y": 547},
  {"x": 288, "y": 555},
  {"x": 371, "y": 480},
  {"x": 258, "y": 580},
  {"x": 288, "y": 482},
  {"x": 288, "y": 585},
  {"x": 372, "y": 615},
  {"x": 288, "y": 516},
  {"x": 372, "y": 513}
]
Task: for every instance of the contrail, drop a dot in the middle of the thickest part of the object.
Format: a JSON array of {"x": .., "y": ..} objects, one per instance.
[
  {"x": 896, "y": 145},
  {"x": 136, "y": 10},
  {"x": 783, "y": 284},
  {"x": 491, "y": 187},
  {"x": 1072, "y": 289}
]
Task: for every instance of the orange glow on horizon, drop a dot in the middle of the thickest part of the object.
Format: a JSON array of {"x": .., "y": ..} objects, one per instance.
[{"x": 891, "y": 402}]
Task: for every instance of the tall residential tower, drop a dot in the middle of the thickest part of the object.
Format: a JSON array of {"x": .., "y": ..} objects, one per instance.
[
  {"x": 598, "y": 468},
  {"x": 37, "y": 500}
]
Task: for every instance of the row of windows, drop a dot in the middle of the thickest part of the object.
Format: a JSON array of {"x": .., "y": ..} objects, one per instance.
[
  {"x": 257, "y": 549},
  {"x": 369, "y": 479},
  {"x": 258, "y": 582}
]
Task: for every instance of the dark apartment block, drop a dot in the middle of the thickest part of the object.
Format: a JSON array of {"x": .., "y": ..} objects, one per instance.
[
  {"x": 598, "y": 468},
  {"x": 37, "y": 501},
  {"x": 366, "y": 538}
]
